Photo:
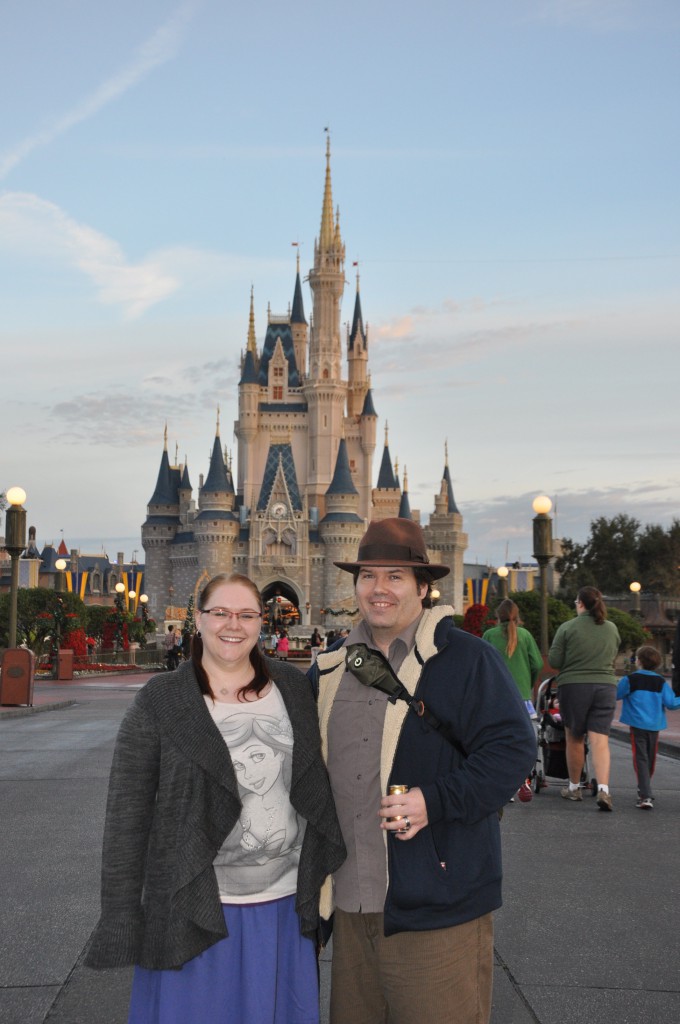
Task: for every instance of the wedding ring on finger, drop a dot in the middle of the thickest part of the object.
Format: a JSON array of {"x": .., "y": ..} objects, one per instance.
[{"x": 406, "y": 826}]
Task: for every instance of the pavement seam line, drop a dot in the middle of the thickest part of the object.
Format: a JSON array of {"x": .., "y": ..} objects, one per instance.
[{"x": 515, "y": 985}]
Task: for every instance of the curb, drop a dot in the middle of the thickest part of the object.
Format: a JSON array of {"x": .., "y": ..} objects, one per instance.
[
  {"x": 34, "y": 709},
  {"x": 664, "y": 747}
]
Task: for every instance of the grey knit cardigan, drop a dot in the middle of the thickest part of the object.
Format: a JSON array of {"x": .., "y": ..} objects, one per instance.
[{"x": 173, "y": 799}]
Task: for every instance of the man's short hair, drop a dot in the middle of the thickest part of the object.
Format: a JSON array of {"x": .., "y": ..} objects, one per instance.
[{"x": 648, "y": 657}]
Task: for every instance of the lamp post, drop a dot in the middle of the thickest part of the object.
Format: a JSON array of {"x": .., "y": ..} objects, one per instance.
[
  {"x": 635, "y": 589},
  {"x": 118, "y": 602},
  {"x": 60, "y": 579},
  {"x": 15, "y": 544},
  {"x": 543, "y": 552},
  {"x": 144, "y": 600},
  {"x": 502, "y": 572}
]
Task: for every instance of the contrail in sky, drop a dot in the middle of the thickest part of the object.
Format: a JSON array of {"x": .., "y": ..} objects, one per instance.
[{"x": 158, "y": 49}]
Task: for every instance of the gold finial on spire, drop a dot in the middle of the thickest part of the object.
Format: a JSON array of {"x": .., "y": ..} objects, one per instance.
[
  {"x": 327, "y": 232},
  {"x": 387, "y": 430},
  {"x": 217, "y": 427},
  {"x": 405, "y": 480},
  {"x": 297, "y": 259},
  {"x": 176, "y": 452},
  {"x": 165, "y": 437},
  {"x": 396, "y": 466},
  {"x": 252, "y": 343},
  {"x": 446, "y": 452}
]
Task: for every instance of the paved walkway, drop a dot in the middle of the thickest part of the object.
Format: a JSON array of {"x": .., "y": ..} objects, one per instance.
[
  {"x": 50, "y": 695},
  {"x": 588, "y": 931}
]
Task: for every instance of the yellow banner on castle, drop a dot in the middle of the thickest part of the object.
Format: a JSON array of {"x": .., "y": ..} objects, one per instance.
[
  {"x": 133, "y": 582},
  {"x": 76, "y": 582},
  {"x": 476, "y": 591}
]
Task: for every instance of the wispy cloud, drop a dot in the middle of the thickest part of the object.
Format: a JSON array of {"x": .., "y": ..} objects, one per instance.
[
  {"x": 28, "y": 221},
  {"x": 506, "y": 519},
  {"x": 157, "y": 50},
  {"x": 453, "y": 335}
]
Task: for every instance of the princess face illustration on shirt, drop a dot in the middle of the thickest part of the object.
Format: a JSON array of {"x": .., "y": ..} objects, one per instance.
[{"x": 261, "y": 750}]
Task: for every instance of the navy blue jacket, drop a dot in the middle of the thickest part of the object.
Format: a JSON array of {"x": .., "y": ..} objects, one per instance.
[{"x": 450, "y": 872}]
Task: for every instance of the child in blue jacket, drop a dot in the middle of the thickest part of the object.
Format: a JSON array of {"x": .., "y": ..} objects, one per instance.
[{"x": 645, "y": 694}]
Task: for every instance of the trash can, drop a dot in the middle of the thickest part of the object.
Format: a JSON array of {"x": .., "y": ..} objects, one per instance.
[
  {"x": 64, "y": 665},
  {"x": 18, "y": 672}
]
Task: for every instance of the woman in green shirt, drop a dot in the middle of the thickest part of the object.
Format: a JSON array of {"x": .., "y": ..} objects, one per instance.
[
  {"x": 583, "y": 650},
  {"x": 517, "y": 647}
]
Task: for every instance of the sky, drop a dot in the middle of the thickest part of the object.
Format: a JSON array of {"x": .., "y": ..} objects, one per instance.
[{"x": 507, "y": 178}]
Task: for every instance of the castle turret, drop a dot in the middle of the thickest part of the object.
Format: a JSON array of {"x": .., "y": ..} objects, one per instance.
[
  {"x": 324, "y": 390},
  {"x": 298, "y": 324},
  {"x": 246, "y": 426},
  {"x": 404, "y": 504},
  {"x": 216, "y": 525},
  {"x": 357, "y": 360},
  {"x": 446, "y": 542},
  {"x": 386, "y": 495},
  {"x": 341, "y": 529},
  {"x": 158, "y": 532}
]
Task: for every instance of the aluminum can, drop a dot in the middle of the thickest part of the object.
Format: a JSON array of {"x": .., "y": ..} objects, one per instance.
[{"x": 395, "y": 791}]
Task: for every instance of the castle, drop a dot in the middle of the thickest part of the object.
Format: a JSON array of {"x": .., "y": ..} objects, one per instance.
[{"x": 303, "y": 493}]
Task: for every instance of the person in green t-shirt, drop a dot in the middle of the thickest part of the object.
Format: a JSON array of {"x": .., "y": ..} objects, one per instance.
[{"x": 517, "y": 647}]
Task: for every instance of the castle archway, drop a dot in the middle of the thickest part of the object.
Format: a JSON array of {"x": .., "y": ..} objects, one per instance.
[{"x": 282, "y": 605}]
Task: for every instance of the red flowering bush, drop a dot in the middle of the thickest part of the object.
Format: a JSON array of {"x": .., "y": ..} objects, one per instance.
[
  {"x": 477, "y": 619},
  {"x": 75, "y": 641}
]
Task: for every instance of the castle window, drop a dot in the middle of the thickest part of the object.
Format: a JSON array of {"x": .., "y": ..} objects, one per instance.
[
  {"x": 352, "y": 465},
  {"x": 278, "y": 371},
  {"x": 277, "y": 393}
]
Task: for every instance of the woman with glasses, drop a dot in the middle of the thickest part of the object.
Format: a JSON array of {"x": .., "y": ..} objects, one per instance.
[{"x": 220, "y": 829}]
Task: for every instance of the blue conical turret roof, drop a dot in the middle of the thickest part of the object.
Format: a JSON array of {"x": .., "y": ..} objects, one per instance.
[
  {"x": 297, "y": 315},
  {"x": 342, "y": 482},
  {"x": 386, "y": 480},
  {"x": 358, "y": 330},
  {"x": 369, "y": 408},
  {"x": 166, "y": 484},
  {"x": 452, "y": 507},
  {"x": 218, "y": 477},
  {"x": 249, "y": 371}
]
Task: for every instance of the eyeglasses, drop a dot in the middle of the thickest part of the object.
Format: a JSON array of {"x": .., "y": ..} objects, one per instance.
[{"x": 224, "y": 613}]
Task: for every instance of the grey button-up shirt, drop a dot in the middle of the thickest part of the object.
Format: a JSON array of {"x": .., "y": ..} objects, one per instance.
[{"x": 355, "y": 730}]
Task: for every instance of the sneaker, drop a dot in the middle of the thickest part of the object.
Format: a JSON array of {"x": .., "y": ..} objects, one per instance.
[
  {"x": 645, "y": 805},
  {"x": 604, "y": 800},
  {"x": 571, "y": 794}
]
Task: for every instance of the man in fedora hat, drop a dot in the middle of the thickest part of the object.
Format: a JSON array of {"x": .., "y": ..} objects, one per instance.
[{"x": 413, "y": 934}]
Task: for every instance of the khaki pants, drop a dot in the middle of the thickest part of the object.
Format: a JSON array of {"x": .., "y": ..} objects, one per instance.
[{"x": 443, "y": 976}]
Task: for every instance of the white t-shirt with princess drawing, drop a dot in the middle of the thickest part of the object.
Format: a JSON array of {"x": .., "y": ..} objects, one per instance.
[{"x": 259, "y": 858}]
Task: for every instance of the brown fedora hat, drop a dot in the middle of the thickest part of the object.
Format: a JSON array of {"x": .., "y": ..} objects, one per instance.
[{"x": 398, "y": 542}]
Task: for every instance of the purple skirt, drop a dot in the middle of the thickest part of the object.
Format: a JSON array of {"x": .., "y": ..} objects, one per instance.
[{"x": 264, "y": 972}]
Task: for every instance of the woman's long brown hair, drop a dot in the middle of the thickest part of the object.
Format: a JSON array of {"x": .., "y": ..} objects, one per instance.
[{"x": 507, "y": 614}]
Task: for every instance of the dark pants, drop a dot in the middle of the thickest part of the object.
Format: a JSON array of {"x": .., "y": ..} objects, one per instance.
[{"x": 644, "y": 745}]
